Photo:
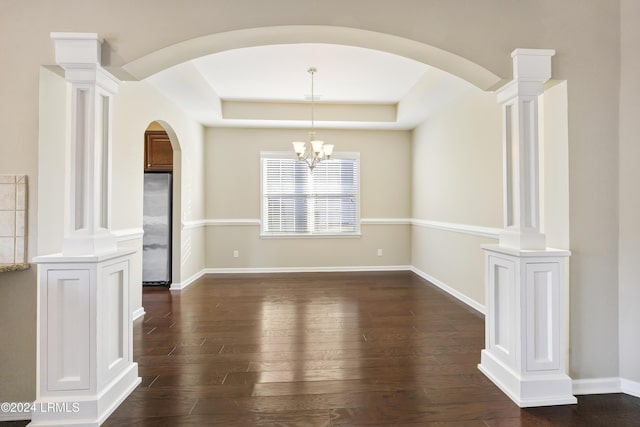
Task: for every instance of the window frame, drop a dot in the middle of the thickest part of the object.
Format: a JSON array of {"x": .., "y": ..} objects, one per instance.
[{"x": 310, "y": 235}]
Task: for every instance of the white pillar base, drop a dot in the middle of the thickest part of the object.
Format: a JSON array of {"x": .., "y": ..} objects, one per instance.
[
  {"x": 548, "y": 390},
  {"x": 82, "y": 410},
  {"x": 85, "y": 342},
  {"x": 525, "y": 320}
]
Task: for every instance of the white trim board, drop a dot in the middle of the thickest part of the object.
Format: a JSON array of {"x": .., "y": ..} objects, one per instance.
[
  {"x": 448, "y": 289},
  {"x": 14, "y": 416},
  {"x": 386, "y": 221},
  {"x": 630, "y": 387},
  {"x": 137, "y": 313},
  {"x": 474, "y": 230},
  {"x": 221, "y": 222},
  {"x": 606, "y": 386},
  {"x": 597, "y": 386},
  {"x": 305, "y": 269},
  {"x": 189, "y": 281},
  {"x": 128, "y": 234},
  {"x": 188, "y": 225}
]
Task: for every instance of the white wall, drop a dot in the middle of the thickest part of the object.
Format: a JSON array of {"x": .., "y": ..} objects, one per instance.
[
  {"x": 457, "y": 178},
  {"x": 232, "y": 192},
  {"x": 630, "y": 195},
  {"x": 135, "y": 107}
]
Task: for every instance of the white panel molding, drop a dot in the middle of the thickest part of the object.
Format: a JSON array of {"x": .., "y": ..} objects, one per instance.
[
  {"x": 630, "y": 387},
  {"x": 232, "y": 221},
  {"x": 386, "y": 221},
  {"x": 188, "y": 225},
  {"x": 126, "y": 234},
  {"x": 85, "y": 337},
  {"x": 524, "y": 326},
  {"x": 448, "y": 289},
  {"x": 138, "y": 313},
  {"x": 182, "y": 285},
  {"x": 474, "y": 230},
  {"x": 338, "y": 269},
  {"x": 596, "y": 386}
]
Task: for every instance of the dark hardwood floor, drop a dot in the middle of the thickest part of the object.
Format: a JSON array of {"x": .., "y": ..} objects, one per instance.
[{"x": 334, "y": 349}]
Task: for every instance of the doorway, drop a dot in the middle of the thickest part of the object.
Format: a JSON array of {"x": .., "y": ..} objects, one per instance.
[{"x": 158, "y": 207}]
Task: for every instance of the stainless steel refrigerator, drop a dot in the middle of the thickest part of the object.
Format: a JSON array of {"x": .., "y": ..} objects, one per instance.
[{"x": 156, "y": 243}]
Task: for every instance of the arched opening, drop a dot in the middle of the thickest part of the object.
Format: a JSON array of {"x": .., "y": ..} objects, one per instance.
[
  {"x": 483, "y": 80},
  {"x": 443, "y": 203},
  {"x": 157, "y": 244},
  {"x": 166, "y": 168},
  {"x": 178, "y": 53}
]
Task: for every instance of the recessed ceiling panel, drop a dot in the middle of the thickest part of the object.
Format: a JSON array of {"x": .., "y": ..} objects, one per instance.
[{"x": 279, "y": 73}]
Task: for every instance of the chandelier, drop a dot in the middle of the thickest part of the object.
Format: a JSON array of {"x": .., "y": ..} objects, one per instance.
[{"x": 315, "y": 151}]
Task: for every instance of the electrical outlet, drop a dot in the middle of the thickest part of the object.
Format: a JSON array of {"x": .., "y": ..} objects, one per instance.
[
  {"x": 379, "y": 252},
  {"x": 236, "y": 253}
]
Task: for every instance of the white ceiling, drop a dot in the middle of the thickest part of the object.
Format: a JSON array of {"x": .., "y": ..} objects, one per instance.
[
  {"x": 278, "y": 74},
  {"x": 345, "y": 73}
]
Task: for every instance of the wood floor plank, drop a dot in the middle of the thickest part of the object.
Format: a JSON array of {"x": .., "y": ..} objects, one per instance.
[{"x": 330, "y": 349}]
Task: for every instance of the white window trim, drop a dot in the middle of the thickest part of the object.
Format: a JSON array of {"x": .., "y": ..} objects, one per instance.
[{"x": 288, "y": 154}]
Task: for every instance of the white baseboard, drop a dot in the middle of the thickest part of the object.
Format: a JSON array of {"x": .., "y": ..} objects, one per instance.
[
  {"x": 9, "y": 416},
  {"x": 630, "y": 387},
  {"x": 306, "y": 269},
  {"x": 138, "y": 313},
  {"x": 454, "y": 293},
  {"x": 182, "y": 285},
  {"x": 597, "y": 386}
]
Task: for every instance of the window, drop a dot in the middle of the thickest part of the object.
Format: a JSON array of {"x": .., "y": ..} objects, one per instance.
[{"x": 296, "y": 201}]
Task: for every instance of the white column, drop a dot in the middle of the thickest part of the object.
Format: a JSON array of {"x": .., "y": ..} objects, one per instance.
[
  {"x": 92, "y": 87},
  {"x": 85, "y": 357},
  {"x": 525, "y": 320},
  {"x": 519, "y": 99}
]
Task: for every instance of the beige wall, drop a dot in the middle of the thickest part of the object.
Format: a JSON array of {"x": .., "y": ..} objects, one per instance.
[
  {"x": 136, "y": 106},
  {"x": 457, "y": 178},
  {"x": 457, "y": 163},
  {"x": 629, "y": 194},
  {"x": 554, "y": 159},
  {"x": 232, "y": 192},
  {"x": 586, "y": 36}
]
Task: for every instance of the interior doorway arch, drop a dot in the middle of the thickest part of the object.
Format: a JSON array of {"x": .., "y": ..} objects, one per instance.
[
  {"x": 176, "y": 200},
  {"x": 178, "y": 53}
]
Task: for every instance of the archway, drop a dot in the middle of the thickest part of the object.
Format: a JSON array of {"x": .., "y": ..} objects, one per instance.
[
  {"x": 291, "y": 34},
  {"x": 446, "y": 61},
  {"x": 176, "y": 204},
  {"x": 157, "y": 248}
]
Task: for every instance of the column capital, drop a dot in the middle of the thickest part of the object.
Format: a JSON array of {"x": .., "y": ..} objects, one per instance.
[
  {"x": 79, "y": 54},
  {"x": 532, "y": 64},
  {"x": 76, "y": 49}
]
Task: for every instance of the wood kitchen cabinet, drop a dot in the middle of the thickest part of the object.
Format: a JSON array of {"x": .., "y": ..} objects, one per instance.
[{"x": 158, "y": 154}]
